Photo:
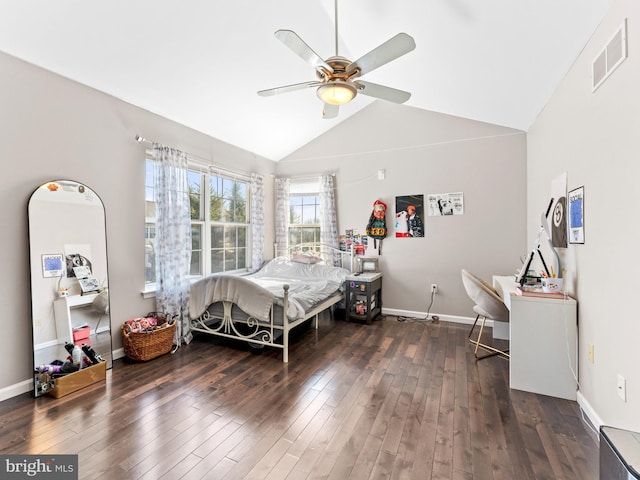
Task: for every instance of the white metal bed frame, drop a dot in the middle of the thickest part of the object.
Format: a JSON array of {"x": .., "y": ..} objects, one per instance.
[{"x": 267, "y": 333}]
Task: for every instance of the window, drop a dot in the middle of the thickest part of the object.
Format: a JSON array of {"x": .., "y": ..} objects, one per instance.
[
  {"x": 219, "y": 208},
  {"x": 304, "y": 212}
]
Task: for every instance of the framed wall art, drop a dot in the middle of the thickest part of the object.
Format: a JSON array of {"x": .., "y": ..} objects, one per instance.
[
  {"x": 576, "y": 215},
  {"x": 53, "y": 265}
]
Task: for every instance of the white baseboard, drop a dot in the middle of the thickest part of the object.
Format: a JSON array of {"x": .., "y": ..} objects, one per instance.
[
  {"x": 592, "y": 417},
  {"x": 16, "y": 389},
  {"x": 423, "y": 316}
]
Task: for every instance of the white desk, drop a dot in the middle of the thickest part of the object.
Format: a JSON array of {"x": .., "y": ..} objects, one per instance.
[
  {"x": 543, "y": 342},
  {"x": 62, "y": 311}
]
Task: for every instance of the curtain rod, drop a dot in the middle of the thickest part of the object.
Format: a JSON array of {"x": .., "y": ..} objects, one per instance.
[
  {"x": 200, "y": 161},
  {"x": 306, "y": 177},
  {"x": 148, "y": 143}
]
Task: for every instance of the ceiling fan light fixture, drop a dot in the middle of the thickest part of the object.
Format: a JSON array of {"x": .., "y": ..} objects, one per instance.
[{"x": 336, "y": 92}]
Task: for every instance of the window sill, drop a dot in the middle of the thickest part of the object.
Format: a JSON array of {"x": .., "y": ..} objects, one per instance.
[{"x": 149, "y": 291}]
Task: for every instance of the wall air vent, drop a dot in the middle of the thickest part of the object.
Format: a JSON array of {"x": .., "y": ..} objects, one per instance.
[{"x": 610, "y": 57}]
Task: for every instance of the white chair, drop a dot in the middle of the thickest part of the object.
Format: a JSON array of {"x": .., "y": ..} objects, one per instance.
[
  {"x": 488, "y": 305},
  {"x": 100, "y": 305}
]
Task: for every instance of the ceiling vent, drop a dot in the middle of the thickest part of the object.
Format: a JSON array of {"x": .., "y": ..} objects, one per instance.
[{"x": 610, "y": 57}]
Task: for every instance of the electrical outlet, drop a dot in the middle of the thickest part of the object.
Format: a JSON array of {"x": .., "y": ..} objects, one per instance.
[
  {"x": 434, "y": 288},
  {"x": 591, "y": 353},
  {"x": 38, "y": 322},
  {"x": 622, "y": 388}
]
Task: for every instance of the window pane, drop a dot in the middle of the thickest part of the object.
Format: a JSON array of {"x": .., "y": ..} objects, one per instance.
[
  {"x": 309, "y": 214},
  {"x": 229, "y": 237},
  {"x": 215, "y": 202},
  {"x": 217, "y": 259},
  {"x": 227, "y": 210},
  {"x": 149, "y": 191},
  {"x": 194, "y": 180},
  {"x": 217, "y": 237},
  {"x": 150, "y": 253},
  {"x": 230, "y": 259},
  {"x": 308, "y": 235},
  {"x": 295, "y": 215},
  {"x": 242, "y": 236},
  {"x": 195, "y": 268},
  {"x": 242, "y": 258},
  {"x": 196, "y": 250},
  {"x": 196, "y": 237}
]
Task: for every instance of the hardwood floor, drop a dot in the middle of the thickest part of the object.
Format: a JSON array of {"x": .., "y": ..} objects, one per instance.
[{"x": 400, "y": 400}]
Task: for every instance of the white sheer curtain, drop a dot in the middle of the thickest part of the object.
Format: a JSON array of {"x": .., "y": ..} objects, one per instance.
[
  {"x": 282, "y": 213},
  {"x": 173, "y": 237},
  {"x": 328, "y": 216},
  {"x": 257, "y": 221}
]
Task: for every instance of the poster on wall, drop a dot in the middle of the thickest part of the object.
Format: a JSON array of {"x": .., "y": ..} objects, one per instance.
[
  {"x": 445, "y": 204},
  {"x": 77, "y": 256},
  {"x": 559, "y": 211},
  {"x": 53, "y": 265},
  {"x": 576, "y": 215},
  {"x": 409, "y": 214}
]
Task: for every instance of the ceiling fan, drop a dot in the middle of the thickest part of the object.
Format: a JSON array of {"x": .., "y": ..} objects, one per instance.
[{"x": 338, "y": 78}]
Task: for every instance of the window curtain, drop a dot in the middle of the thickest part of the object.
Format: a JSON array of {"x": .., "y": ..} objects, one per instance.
[
  {"x": 257, "y": 221},
  {"x": 282, "y": 214},
  {"x": 328, "y": 216},
  {"x": 173, "y": 237}
]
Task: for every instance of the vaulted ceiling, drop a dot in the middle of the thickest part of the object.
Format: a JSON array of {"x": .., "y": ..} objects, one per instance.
[{"x": 201, "y": 62}]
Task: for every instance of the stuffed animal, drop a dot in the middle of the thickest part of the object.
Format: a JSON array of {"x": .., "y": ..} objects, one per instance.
[{"x": 377, "y": 226}]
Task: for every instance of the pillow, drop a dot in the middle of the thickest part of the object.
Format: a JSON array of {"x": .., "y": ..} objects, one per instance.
[{"x": 305, "y": 257}]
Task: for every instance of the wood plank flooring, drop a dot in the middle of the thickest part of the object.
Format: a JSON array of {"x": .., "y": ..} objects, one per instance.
[{"x": 399, "y": 400}]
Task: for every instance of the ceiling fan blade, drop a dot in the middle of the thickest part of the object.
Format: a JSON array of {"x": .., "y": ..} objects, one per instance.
[
  {"x": 287, "y": 88},
  {"x": 380, "y": 91},
  {"x": 330, "y": 111},
  {"x": 390, "y": 50},
  {"x": 304, "y": 51}
]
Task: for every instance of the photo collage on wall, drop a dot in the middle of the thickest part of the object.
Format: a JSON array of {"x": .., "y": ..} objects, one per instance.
[{"x": 353, "y": 238}]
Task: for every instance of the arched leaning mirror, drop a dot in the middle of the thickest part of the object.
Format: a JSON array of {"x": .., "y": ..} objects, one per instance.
[{"x": 69, "y": 278}]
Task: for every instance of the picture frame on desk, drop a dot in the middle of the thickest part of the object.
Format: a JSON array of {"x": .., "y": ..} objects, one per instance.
[{"x": 368, "y": 265}]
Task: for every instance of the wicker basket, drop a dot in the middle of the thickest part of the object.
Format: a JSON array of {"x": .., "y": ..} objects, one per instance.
[{"x": 143, "y": 346}]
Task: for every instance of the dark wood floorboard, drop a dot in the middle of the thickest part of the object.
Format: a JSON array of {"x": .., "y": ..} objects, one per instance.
[{"x": 395, "y": 399}]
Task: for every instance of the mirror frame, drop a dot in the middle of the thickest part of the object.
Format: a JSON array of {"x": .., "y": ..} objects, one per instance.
[{"x": 64, "y": 234}]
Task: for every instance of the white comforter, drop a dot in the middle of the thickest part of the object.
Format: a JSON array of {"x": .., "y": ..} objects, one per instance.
[{"x": 308, "y": 284}]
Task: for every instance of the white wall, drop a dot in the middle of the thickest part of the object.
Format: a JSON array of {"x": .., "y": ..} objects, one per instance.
[
  {"x": 53, "y": 128},
  {"x": 594, "y": 138},
  {"x": 425, "y": 152}
]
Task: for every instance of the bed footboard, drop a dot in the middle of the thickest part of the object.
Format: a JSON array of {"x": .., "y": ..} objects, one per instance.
[{"x": 234, "y": 324}]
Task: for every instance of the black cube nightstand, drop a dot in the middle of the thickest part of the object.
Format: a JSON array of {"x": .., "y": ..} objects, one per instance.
[{"x": 363, "y": 296}]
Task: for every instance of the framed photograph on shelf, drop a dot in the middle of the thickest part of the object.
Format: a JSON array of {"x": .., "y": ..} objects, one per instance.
[
  {"x": 53, "y": 265},
  {"x": 576, "y": 215}
]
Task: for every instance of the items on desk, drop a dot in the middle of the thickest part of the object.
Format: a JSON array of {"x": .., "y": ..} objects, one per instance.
[
  {"x": 552, "y": 285},
  {"x": 538, "y": 291}
]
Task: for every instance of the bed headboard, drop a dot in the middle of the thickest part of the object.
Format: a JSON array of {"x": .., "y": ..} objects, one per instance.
[{"x": 317, "y": 252}]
